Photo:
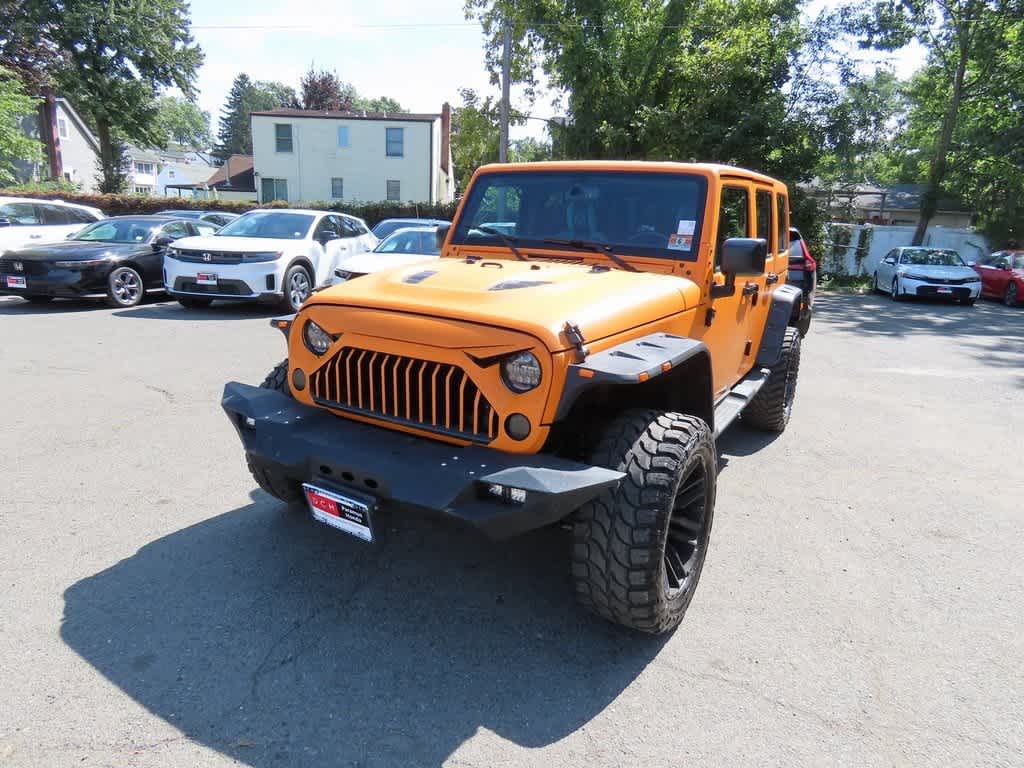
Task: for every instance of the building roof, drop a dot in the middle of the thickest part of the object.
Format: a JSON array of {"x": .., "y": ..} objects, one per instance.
[
  {"x": 82, "y": 127},
  {"x": 405, "y": 117},
  {"x": 241, "y": 176}
]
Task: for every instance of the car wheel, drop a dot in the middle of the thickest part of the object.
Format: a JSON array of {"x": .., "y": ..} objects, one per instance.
[
  {"x": 1010, "y": 298},
  {"x": 639, "y": 547},
  {"x": 298, "y": 285},
  {"x": 38, "y": 299},
  {"x": 124, "y": 288},
  {"x": 876, "y": 288},
  {"x": 894, "y": 292},
  {"x": 193, "y": 302},
  {"x": 276, "y": 484},
  {"x": 968, "y": 302}
]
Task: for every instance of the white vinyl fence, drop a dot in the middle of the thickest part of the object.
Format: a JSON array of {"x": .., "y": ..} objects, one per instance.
[{"x": 856, "y": 249}]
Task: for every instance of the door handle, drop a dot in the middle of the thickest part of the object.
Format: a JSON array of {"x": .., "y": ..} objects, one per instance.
[
  {"x": 751, "y": 289},
  {"x": 772, "y": 278}
]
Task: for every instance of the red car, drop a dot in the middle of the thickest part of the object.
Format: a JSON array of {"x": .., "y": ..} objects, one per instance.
[{"x": 1002, "y": 276}]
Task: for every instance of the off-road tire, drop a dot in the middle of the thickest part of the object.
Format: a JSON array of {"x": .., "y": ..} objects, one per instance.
[
  {"x": 277, "y": 485},
  {"x": 771, "y": 406},
  {"x": 625, "y": 568},
  {"x": 193, "y": 302}
]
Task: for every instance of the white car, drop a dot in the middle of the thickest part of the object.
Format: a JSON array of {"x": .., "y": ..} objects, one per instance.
[
  {"x": 405, "y": 246},
  {"x": 28, "y": 222},
  {"x": 923, "y": 271},
  {"x": 275, "y": 256}
]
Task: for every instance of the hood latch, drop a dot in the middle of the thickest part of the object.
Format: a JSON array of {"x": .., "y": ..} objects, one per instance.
[{"x": 575, "y": 337}]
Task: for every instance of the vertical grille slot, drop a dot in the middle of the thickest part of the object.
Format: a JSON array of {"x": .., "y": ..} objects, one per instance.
[{"x": 436, "y": 396}]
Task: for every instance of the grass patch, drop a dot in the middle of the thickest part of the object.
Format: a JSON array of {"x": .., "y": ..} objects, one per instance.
[{"x": 847, "y": 283}]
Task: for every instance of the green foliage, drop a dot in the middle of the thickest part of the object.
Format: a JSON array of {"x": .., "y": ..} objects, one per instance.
[
  {"x": 234, "y": 135},
  {"x": 475, "y": 135},
  {"x": 118, "y": 56},
  {"x": 14, "y": 145},
  {"x": 182, "y": 123},
  {"x": 119, "y": 205},
  {"x": 379, "y": 104}
]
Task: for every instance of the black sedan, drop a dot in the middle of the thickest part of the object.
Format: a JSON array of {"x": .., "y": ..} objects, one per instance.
[{"x": 118, "y": 259}]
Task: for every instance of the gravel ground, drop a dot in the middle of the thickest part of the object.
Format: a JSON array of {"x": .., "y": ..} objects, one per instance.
[{"x": 861, "y": 603}]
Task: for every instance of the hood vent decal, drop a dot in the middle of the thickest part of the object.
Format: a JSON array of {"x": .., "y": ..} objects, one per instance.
[
  {"x": 509, "y": 285},
  {"x": 419, "y": 277}
]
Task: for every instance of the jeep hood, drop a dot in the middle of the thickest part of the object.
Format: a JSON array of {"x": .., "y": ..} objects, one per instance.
[{"x": 534, "y": 297}]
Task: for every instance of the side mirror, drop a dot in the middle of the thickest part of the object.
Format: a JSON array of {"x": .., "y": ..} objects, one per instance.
[
  {"x": 4, "y": 221},
  {"x": 744, "y": 256},
  {"x": 1004, "y": 265},
  {"x": 972, "y": 263},
  {"x": 327, "y": 235},
  {"x": 441, "y": 234},
  {"x": 162, "y": 242}
]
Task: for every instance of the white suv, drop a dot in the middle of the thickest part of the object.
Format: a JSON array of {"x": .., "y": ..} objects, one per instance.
[
  {"x": 275, "y": 256},
  {"x": 26, "y": 221}
]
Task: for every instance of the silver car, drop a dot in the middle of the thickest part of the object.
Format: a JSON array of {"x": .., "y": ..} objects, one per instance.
[{"x": 932, "y": 272}]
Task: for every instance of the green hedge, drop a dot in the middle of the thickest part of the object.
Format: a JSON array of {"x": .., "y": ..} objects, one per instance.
[{"x": 119, "y": 205}]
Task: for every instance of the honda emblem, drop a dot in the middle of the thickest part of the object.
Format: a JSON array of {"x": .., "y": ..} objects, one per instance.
[
  {"x": 207, "y": 257},
  {"x": 18, "y": 266}
]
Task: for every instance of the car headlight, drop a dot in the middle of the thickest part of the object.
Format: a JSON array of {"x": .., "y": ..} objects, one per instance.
[
  {"x": 80, "y": 264},
  {"x": 911, "y": 276},
  {"x": 974, "y": 279},
  {"x": 172, "y": 253},
  {"x": 317, "y": 340},
  {"x": 521, "y": 372}
]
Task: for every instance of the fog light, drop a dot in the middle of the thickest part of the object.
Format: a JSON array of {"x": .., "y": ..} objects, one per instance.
[
  {"x": 517, "y": 495},
  {"x": 250, "y": 422},
  {"x": 496, "y": 490},
  {"x": 517, "y": 426},
  {"x": 299, "y": 379}
]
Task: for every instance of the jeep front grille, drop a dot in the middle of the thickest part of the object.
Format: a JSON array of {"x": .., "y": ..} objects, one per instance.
[{"x": 438, "y": 397}]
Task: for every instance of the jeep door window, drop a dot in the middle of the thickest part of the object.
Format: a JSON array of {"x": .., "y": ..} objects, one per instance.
[
  {"x": 781, "y": 225},
  {"x": 276, "y": 225},
  {"x": 733, "y": 218},
  {"x": 20, "y": 214},
  {"x": 763, "y": 217},
  {"x": 636, "y": 214}
]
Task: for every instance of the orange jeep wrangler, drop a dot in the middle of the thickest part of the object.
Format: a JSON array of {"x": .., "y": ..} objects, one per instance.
[{"x": 588, "y": 331}]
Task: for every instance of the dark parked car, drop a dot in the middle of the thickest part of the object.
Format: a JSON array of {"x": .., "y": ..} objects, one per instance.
[
  {"x": 217, "y": 218},
  {"x": 387, "y": 226},
  {"x": 117, "y": 259},
  {"x": 803, "y": 273}
]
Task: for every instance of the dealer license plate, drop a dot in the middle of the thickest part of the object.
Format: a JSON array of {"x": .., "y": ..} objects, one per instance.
[
  {"x": 206, "y": 278},
  {"x": 346, "y": 513},
  {"x": 943, "y": 290},
  {"x": 14, "y": 281}
]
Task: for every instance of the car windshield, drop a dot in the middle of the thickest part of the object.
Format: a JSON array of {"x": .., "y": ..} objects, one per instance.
[
  {"x": 410, "y": 241},
  {"x": 643, "y": 214},
  {"x": 931, "y": 257},
  {"x": 118, "y": 231},
  {"x": 1018, "y": 261},
  {"x": 386, "y": 227},
  {"x": 182, "y": 214},
  {"x": 269, "y": 224}
]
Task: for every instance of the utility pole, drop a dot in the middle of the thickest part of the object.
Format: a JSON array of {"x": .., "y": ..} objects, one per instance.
[{"x": 506, "y": 75}]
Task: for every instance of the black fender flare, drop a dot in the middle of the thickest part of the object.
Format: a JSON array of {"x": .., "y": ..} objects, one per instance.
[
  {"x": 783, "y": 300},
  {"x": 632, "y": 362}
]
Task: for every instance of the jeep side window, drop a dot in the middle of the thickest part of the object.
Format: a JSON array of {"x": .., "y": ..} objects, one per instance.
[
  {"x": 781, "y": 228},
  {"x": 763, "y": 209},
  {"x": 733, "y": 218}
]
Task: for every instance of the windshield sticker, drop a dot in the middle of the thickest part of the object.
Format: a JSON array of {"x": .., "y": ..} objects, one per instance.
[
  {"x": 680, "y": 242},
  {"x": 686, "y": 227}
]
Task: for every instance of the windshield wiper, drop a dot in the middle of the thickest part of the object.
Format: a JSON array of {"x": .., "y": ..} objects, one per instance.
[
  {"x": 590, "y": 245},
  {"x": 508, "y": 242}
]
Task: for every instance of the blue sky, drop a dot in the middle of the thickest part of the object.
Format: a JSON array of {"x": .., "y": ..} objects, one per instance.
[{"x": 420, "y": 52}]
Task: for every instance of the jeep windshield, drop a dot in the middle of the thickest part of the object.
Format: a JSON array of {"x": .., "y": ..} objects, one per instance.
[
  {"x": 269, "y": 224},
  {"x": 636, "y": 214}
]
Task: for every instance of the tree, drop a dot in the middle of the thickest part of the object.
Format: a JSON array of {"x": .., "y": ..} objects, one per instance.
[
  {"x": 474, "y": 135},
  {"x": 962, "y": 39},
  {"x": 322, "y": 90},
  {"x": 183, "y": 123},
  {"x": 379, "y": 104},
  {"x": 26, "y": 44},
  {"x": 234, "y": 133},
  {"x": 119, "y": 55},
  {"x": 15, "y": 104}
]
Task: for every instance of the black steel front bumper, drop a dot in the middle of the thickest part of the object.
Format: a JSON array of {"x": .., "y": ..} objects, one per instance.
[{"x": 311, "y": 445}]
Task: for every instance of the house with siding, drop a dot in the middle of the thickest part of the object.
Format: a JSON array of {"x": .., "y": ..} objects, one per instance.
[
  {"x": 234, "y": 180},
  {"x": 308, "y": 155},
  {"x": 71, "y": 151}
]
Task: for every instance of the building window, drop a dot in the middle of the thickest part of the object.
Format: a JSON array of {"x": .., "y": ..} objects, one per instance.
[
  {"x": 62, "y": 127},
  {"x": 394, "y": 189},
  {"x": 274, "y": 189},
  {"x": 283, "y": 137},
  {"x": 337, "y": 188},
  {"x": 395, "y": 142},
  {"x": 146, "y": 168},
  {"x": 143, "y": 190},
  {"x": 342, "y": 135}
]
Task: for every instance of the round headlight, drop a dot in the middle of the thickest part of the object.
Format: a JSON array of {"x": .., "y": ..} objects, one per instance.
[
  {"x": 521, "y": 372},
  {"x": 317, "y": 340}
]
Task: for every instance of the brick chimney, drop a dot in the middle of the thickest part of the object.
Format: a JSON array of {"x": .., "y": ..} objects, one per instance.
[{"x": 446, "y": 137}]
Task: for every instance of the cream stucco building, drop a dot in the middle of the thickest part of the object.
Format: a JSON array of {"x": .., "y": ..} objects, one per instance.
[{"x": 306, "y": 155}]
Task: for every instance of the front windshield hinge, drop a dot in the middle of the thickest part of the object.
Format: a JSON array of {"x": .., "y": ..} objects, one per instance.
[{"x": 575, "y": 337}]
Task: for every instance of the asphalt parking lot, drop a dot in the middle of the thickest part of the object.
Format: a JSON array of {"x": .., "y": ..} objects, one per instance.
[{"x": 861, "y": 603}]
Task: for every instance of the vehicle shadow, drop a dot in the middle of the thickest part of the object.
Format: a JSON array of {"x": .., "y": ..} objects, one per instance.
[
  {"x": 228, "y": 310},
  {"x": 13, "y": 305},
  {"x": 278, "y": 641}
]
